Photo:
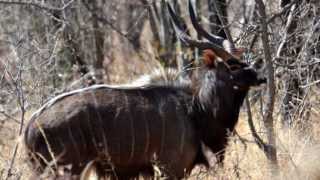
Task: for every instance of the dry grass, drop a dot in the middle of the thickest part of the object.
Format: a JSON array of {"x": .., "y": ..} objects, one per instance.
[
  {"x": 298, "y": 156},
  {"x": 298, "y": 153},
  {"x": 9, "y": 138}
]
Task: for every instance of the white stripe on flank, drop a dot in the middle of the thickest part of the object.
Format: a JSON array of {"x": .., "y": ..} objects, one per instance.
[
  {"x": 83, "y": 143},
  {"x": 100, "y": 121},
  {"x": 182, "y": 141},
  {"x": 146, "y": 149},
  {"x": 74, "y": 143},
  {"x": 132, "y": 131},
  {"x": 105, "y": 147},
  {"x": 163, "y": 132}
]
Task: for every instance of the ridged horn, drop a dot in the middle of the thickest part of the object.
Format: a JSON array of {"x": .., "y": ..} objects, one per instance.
[
  {"x": 201, "y": 44},
  {"x": 224, "y": 43}
]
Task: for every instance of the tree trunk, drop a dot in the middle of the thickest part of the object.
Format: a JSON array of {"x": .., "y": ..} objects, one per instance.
[{"x": 271, "y": 152}]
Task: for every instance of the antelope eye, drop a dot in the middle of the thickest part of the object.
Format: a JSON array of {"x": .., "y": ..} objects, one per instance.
[
  {"x": 234, "y": 67},
  {"x": 235, "y": 64}
]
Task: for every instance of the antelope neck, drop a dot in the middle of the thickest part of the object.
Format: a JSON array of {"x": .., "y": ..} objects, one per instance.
[{"x": 216, "y": 107}]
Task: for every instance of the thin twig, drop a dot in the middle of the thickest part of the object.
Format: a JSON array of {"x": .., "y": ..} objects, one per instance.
[
  {"x": 18, "y": 86},
  {"x": 270, "y": 20},
  {"x": 8, "y": 116},
  {"x": 226, "y": 30},
  {"x": 257, "y": 138},
  {"x": 310, "y": 84},
  {"x": 107, "y": 22},
  {"x": 283, "y": 10},
  {"x": 37, "y": 5}
]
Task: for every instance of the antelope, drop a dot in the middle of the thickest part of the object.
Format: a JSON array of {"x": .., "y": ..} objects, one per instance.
[{"x": 126, "y": 130}]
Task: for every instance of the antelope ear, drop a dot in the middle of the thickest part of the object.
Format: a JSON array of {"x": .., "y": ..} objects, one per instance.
[{"x": 209, "y": 58}]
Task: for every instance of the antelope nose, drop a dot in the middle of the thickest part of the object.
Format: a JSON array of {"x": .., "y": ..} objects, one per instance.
[{"x": 262, "y": 80}]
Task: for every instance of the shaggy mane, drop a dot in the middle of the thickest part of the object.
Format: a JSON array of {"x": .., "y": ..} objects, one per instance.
[{"x": 164, "y": 77}]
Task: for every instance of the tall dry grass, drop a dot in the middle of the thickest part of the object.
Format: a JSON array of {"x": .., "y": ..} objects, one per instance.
[{"x": 298, "y": 153}]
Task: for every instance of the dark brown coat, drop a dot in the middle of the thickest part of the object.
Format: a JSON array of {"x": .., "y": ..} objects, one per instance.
[
  {"x": 131, "y": 128},
  {"x": 128, "y": 128}
]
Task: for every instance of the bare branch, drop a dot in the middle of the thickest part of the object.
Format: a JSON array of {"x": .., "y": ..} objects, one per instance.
[
  {"x": 259, "y": 141},
  {"x": 8, "y": 116},
  {"x": 270, "y": 152},
  {"x": 224, "y": 24},
  {"x": 37, "y": 5},
  {"x": 20, "y": 97}
]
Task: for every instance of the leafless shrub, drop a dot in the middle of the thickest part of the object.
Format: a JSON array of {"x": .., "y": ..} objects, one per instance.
[{"x": 48, "y": 47}]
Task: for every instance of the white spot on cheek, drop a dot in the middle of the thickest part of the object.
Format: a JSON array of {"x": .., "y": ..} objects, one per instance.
[{"x": 235, "y": 87}]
